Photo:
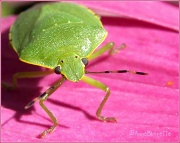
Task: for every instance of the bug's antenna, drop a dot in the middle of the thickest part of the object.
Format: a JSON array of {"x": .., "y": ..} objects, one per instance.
[{"x": 118, "y": 71}]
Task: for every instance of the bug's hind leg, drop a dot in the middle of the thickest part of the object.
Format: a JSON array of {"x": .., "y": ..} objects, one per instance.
[
  {"x": 109, "y": 46},
  {"x": 44, "y": 97}
]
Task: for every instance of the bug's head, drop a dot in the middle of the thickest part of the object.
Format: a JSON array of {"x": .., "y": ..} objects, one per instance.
[{"x": 71, "y": 66}]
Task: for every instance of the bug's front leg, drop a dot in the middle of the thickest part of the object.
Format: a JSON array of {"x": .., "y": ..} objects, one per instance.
[
  {"x": 43, "y": 97},
  {"x": 98, "y": 112},
  {"x": 102, "y": 86},
  {"x": 53, "y": 118}
]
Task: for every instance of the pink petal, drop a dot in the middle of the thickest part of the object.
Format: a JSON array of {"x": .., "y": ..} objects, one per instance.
[
  {"x": 149, "y": 11},
  {"x": 144, "y": 105}
]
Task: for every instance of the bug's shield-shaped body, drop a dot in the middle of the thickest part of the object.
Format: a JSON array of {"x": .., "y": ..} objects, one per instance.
[
  {"x": 45, "y": 34},
  {"x": 61, "y": 37}
]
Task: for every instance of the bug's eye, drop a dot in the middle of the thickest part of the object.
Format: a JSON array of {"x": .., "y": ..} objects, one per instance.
[
  {"x": 85, "y": 61},
  {"x": 57, "y": 70}
]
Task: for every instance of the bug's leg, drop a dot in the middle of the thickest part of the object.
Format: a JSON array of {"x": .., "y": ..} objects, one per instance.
[
  {"x": 44, "y": 97},
  {"x": 109, "y": 46},
  {"x": 113, "y": 50},
  {"x": 102, "y": 86},
  {"x": 26, "y": 75}
]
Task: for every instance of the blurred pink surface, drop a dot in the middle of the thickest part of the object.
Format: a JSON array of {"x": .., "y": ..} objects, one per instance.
[
  {"x": 146, "y": 106},
  {"x": 150, "y": 11}
]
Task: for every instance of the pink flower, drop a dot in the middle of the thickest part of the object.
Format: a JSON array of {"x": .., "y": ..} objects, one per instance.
[{"x": 146, "y": 106}]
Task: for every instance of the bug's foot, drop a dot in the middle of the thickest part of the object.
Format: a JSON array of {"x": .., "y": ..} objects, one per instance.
[
  {"x": 7, "y": 86},
  {"x": 108, "y": 119},
  {"x": 116, "y": 50},
  {"x": 51, "y": 129}
]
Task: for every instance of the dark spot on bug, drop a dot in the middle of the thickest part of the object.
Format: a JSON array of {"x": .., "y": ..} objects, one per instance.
[
  {"x": 43, "y": 94},
  {"x": 63, "y": 76},
  {"x": 57, "y": 70},
  {"x": 62, "y": 61},
  {"x": 29, "y": 104},
  {"x": 122, "y": 71},
  {"x": 52, "y": 87},
  {"x": 141, "y": 73},
  {"x": 85, "y": 61},
  {"x": 76, "y": 57},
  {"x": 107, "y": 71}
]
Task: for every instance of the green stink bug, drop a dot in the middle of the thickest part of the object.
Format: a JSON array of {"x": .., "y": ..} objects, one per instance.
[{"x": 64, "y": 44}]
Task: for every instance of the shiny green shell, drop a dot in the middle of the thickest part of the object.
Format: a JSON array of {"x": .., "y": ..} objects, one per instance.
[{"x": 46, "y": 34}]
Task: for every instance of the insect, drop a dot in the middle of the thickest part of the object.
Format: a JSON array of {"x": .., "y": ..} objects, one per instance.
[{"x": 61, "y": 37}]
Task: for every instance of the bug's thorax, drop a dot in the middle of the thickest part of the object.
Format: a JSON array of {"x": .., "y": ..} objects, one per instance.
[{"x": 71, "y": 66}]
